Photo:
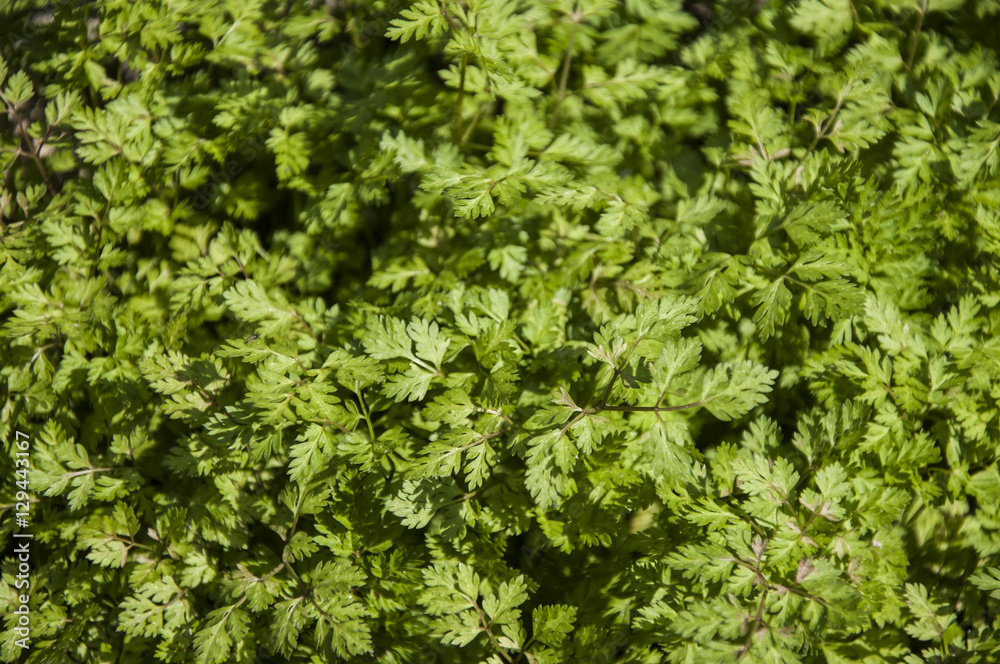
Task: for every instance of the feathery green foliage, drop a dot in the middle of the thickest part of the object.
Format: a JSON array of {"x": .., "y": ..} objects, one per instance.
[{"x": 502, "y": 331}]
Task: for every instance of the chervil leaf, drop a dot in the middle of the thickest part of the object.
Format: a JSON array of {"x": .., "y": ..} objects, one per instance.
[
  {"x": 553, "y": 623},
  {"x": 354, "y": 331},
  {"x": 424, "y": 18},
  {"x": 732, "y": 390}
]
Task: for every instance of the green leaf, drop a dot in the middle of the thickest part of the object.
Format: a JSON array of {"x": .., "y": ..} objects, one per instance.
[
  {"x": 249, "y": 301},
  {"x": 552, "y": 624},
  {"x": 428, "y": 340},
  {"x": 731, "y": 390},
  {"x": 425, "y": 18}
]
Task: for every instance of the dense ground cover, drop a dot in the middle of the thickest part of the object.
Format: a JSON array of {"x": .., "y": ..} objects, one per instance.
[{"x": 526, "y": 331}]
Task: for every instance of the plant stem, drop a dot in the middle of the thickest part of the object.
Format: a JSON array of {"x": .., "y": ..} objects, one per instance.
[
  {"x": 472, "y": 125},
  {"x": 33, "y": 149},
  {"x": 486, "y": 628},
  {"x": 461, "y": 95},
  {"x": 295, "y": 520},
  {"x": 368, "y": 419},
  {"x": 756, "y": 624},
  {"x": 447, "y": 17},
  {"x": 916, "y": 34},
  {"x": 821, "y": 131},
  {"x": 561, "y": 93},
  {"x": 652, "y": 409}
]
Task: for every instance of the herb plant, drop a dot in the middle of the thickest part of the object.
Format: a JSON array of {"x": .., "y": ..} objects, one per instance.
[{"x": 502, "y": 331}]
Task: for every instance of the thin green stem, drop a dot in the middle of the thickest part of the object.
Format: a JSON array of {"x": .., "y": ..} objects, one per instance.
[
  {"x": 447, "y": 17},
  {"x": 821, "y": 133},
  {"x": 567, "y": 61},
  {"x": 416, "y": 360},
  {"x": 367, "y": 414},
  {"x": 34, "y": 149},
  {"x": 916, "y": 34},
  {"x": 652, "y": 409},
  {"x": 756, "y": 624},
  {"x": 618, "y": 373},
  {"x": 89, "y": 472},
  {"x": 295, "y": 519},
  {"x": 472, "y": 125},
  {"x": 461, "y": 95},
  {"x": 486, "y": 628}
]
